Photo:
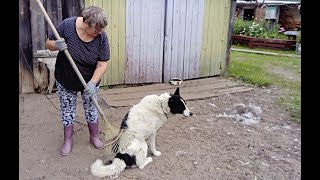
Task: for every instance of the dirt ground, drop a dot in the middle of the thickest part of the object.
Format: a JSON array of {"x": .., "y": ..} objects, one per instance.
[{"x": 261, "y": 143}]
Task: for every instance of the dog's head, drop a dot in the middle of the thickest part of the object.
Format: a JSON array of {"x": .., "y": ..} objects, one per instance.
[{"x": 178, "y": 105}]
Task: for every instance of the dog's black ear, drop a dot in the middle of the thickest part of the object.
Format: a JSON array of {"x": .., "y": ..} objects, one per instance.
[{"x": 177, "y": 92}]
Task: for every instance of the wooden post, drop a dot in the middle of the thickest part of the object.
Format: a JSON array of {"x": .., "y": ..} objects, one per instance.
[
  {"x": 229, "y": 41},
  {"x": 25, "y": 49},
  {"x": 40, "y": 71}
]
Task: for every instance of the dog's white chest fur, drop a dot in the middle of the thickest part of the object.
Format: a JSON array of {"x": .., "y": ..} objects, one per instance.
[{"x": 148, "y": 116}]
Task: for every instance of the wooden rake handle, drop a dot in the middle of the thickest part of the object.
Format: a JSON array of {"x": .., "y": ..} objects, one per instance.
[{"x": 71, "y": 61}]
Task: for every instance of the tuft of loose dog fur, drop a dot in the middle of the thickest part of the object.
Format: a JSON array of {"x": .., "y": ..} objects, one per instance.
[{"x": 143, "y": 121}]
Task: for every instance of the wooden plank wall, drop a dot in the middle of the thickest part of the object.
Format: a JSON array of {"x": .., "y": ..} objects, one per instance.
[
  {"x": 225, "y": 45},
  {"x": 144, "y": 40},
  {"x": 150, "y": 40},
  {"x": 54, "y": 10},
  {"x": 117, "y": 40},
  {"x": 33, "y": 75},
  {"x": 71, "y": 8},
  {"x": 214, "y": 39},
  {"x": 25, "y": 49},
  {"x": 38, "y": 32},
  {"x": 156, "y": 40},
  {"x": 115, "y": 10},
  {"x": 183, "y": 35}
]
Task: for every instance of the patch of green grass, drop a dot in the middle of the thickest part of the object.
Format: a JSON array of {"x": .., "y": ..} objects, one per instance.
[
  {"x": 259, "y": 70},
  {"x": 293, "y": 105},
  {"x": 244, "y": 72}
]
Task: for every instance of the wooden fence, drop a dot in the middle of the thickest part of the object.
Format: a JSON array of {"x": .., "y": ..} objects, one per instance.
[{"x": 253, "y": 42}]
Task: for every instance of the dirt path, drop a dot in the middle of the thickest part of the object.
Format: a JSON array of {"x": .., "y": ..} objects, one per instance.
[{"x": 210, "y": 145}]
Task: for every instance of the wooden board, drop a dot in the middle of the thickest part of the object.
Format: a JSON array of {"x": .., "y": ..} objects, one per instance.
[
  {"x": 115, "y": 10},
  {"x": 183, "y": 39},
  {"x": 40, "y": 71},
  {"x": 214, "y": 37},
  {"x": 25, "y": 49},
  {"x": 144, "y": 41},
  {"x": 190, "y": 90}
]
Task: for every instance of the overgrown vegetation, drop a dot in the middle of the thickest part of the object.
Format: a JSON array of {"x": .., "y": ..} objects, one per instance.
[
  {"x": 259, "y": 29},
  {"x": 258, "y": 69}
]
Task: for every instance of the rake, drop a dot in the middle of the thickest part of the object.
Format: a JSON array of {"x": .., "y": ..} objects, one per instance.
[{"x": 111, "y": 134}]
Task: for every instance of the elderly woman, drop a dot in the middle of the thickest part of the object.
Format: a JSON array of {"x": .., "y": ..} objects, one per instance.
[{"x": 88, "y": 45}]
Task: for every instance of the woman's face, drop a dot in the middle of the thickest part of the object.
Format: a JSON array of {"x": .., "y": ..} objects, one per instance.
[{"x": 94, "y": 31}]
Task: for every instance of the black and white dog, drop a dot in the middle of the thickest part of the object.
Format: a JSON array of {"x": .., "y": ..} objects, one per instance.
[{"x": 143, "y": 121}]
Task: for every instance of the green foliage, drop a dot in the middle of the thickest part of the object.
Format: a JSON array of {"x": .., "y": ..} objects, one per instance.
[
  {"x": 255, "y": 30},
  {"x": 240, "y": 26},
  {"x": 262, "y": 29},
  {"x": 245, "y": 71}
]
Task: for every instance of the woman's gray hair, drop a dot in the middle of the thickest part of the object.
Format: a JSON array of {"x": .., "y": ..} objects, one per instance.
[{"x": 95, "y": 16}]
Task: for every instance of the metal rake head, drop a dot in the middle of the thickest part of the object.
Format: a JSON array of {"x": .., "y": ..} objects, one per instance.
[{"x": 122, "y": 142}]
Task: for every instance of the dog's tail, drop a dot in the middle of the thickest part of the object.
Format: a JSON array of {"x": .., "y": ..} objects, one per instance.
[{"x": 112, "y": 170}]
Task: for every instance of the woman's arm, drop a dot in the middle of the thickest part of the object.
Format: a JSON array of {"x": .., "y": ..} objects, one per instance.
[
  {"x": 54, "y": 45},
  {"x": 100, "y": 70},
  {"x": 51, "y": 45}
]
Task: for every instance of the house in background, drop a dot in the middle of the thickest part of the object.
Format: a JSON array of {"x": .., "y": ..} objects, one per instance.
[{"x": 286, "y": 13}]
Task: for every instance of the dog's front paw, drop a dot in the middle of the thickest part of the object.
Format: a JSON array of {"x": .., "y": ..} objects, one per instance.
[{"x": 156, "y": 153}]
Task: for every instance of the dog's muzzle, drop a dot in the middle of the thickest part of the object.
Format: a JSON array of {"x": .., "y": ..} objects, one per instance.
[{"x": 187, "y": 113}]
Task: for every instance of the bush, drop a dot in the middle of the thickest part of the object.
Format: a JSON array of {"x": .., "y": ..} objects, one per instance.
[
  {"x": 257, "y": 29},
  {"x": 240, "y": 26}
]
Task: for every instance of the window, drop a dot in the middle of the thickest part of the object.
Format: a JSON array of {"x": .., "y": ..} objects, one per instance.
[
  {"x": 271, "y": 12},
  {"x": 248, "y": 14},
  {"x": 271, "y": 16}
]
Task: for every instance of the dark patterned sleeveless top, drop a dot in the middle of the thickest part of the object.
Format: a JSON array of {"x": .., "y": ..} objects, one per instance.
[{"x": 84, "y": 54}]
